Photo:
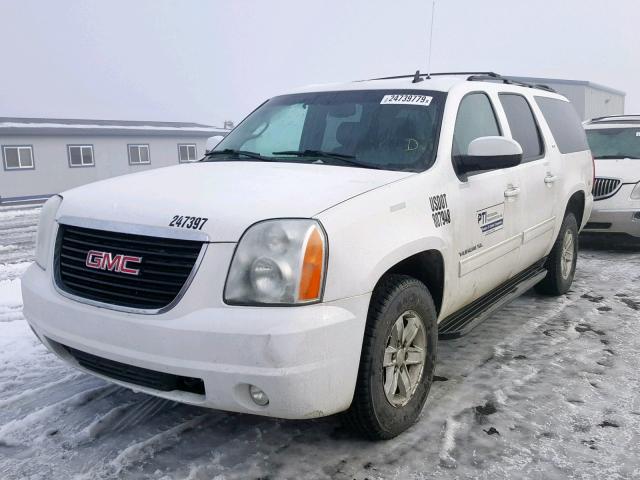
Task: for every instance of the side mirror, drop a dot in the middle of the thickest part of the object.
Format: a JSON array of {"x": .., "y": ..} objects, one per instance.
[
  {"x": 489, "y": 153},
  {"x": 212, "y": 142}
]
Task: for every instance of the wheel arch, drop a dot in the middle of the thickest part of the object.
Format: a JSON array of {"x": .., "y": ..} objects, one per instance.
[
  {"x": 426, "y": 265},
  {"x": 576, "y": 205}
]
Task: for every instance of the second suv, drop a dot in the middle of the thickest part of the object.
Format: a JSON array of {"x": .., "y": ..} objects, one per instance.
[
  {"x": 615, "y": 144},
  {"x": 308, "y": 264}
]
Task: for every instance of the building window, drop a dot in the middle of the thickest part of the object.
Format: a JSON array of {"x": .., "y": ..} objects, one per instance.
[
  {"x": 80, "y": 155},
  {"x": 186, "y": 152},
  {"x": 139, "y": 154},
  {"x": 18, "y": 157}
]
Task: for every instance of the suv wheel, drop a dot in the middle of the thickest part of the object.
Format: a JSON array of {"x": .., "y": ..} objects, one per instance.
[
  {"x": 398, "y": 358},
  {"x": 561, "y": 262}
]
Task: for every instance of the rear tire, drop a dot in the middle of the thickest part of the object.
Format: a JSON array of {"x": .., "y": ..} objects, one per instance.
[
  {"x": 397, "y": 360},
  {"x": 561, "y": 262}
]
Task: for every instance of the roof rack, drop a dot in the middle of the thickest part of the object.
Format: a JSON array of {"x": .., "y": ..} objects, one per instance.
[
  {"x": 613, "y": 118},
  {"x": 509, "y": 81},
  {"x": 437, "y": 74},
  {"x": 473, "y": 77}
]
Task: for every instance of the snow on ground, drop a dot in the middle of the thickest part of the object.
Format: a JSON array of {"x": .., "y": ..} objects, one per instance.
[{"x": 545, "y": 389}]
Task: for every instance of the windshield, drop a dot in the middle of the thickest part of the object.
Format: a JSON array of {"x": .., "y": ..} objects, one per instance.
[
  {"x": 609, "y": 143},
  {"x": 391, "y": 130}
]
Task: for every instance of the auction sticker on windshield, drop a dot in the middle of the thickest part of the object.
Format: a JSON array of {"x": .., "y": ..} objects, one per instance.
[{"x": 406, "y": 99}]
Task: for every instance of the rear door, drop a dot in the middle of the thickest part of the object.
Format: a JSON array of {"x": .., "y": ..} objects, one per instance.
[
  {"x": 538, "y": 176},
  {"x": 486, "y": 237}
]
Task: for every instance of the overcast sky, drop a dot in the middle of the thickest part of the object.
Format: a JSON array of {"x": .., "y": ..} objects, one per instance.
[{"x": 208, "y": 61}]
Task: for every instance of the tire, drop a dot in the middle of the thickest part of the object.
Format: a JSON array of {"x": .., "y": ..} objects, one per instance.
[
  {"x": 560, "y": 271},
  {"x": 396, "y": 299}
]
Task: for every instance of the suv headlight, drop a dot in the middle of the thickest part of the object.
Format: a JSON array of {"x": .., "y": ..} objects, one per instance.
[
  {"x": 278, "y": 262},
  {"x": 45, "y": 230},
  {"x": 635, "y": 194}
]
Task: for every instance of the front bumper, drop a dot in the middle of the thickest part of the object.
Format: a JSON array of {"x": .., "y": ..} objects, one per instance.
[
  {"x": 304, "y": 358},
  {"x": 618, "y": 214}
]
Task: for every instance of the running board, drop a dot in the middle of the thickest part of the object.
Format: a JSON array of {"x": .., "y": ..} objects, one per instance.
[{"x": 463, "y": 321}]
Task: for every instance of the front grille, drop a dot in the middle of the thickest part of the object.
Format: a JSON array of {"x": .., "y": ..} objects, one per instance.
[
  {"x": 605, "y": 188},
  {"x": 164, "y": 269},
  {"x": 143, "y": 377}
]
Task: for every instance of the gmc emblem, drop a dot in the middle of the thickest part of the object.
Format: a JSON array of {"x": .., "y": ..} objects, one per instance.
[{"x": 114, "y": 263}]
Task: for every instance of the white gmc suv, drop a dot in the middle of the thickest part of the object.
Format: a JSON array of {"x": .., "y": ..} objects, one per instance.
[
  {"x": 307, "y": 265},
  {"x": 615, "y": 144}
]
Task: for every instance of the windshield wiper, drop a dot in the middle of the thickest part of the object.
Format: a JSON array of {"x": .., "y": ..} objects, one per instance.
[
  {"x": 236, "y": 153},
  {"x": 609, "y": 157},
  {"x": 347, "y": 159}
]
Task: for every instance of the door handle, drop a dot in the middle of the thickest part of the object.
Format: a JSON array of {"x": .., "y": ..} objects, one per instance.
[
  {"x": 550, "y": 179},
  {"x": 512, "y": 192}
]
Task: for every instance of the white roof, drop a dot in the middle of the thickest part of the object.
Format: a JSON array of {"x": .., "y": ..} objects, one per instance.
[
  {"x": 58, "y": 126},
  {"x": 438, "y": 83}
]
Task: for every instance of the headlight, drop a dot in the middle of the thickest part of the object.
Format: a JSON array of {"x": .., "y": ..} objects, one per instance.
[
  {"x": 635, "y": 194},
  {"x": 278, "y": 262},
  {"x": 45, "y": 230}
]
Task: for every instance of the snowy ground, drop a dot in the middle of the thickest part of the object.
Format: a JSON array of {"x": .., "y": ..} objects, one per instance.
[{"x": 547, "y": 388}]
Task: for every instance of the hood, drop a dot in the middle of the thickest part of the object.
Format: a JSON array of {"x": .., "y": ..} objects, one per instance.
[
  {"x": 627, "y": 170},
  {"x": 232, "y": 195}
]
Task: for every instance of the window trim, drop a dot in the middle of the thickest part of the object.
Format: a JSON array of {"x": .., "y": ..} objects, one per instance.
[
  {"x": 463, "y": 178},
  {"x": 194, "y": 145},
  {"x": 129, "y": 145},
  {"x": 12, "y": 169},
  {"x": 535, "y": 121},
  {"x": 82, "y": 165}
]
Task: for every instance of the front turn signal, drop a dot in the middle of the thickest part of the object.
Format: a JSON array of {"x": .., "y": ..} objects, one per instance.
[{"x": 312, "y": 267}]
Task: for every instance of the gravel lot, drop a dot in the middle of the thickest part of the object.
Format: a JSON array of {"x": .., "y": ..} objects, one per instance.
[{"x": 547, "y": 388}]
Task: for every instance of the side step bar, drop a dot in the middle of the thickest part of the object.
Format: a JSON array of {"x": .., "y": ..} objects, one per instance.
[{"x": 466, "y": 319}]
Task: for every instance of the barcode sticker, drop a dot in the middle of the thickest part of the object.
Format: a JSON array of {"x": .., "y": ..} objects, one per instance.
[{"x": 407, "y": 99}]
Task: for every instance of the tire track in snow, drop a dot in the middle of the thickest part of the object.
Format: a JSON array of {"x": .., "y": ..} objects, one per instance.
[
  {"x": 139, "y": 451},
  {"x": 35, "y": 392},
  {"x": 444, "y": 395},
  {"x": 27, "y": 426}
]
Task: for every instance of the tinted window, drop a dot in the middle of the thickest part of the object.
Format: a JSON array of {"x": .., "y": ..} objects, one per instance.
[
  {"x": 475, "y": 119},
  {"x": 564, "y": 123},
  {"x": 392, "y": 130},
  {"x": 607, "y": 143},
  {"x": 524, "y": 128}
]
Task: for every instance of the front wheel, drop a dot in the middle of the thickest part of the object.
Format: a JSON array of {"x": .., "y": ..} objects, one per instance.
[
  {"x": 398, "y": 359},
  {"x": 561, "y": 262}
]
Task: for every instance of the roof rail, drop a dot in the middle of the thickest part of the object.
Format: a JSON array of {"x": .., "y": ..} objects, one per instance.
[
  {"x": 614, "y": 118},
  {"x": 437, "y": 74},
  {"x": 474, "y": 77},
  {"x": 509, "y": 81}
]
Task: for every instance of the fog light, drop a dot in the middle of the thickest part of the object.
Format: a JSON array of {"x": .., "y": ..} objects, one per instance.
[
  {"x": 258, "y": 396},
  {"x": 636, "y": 216}
]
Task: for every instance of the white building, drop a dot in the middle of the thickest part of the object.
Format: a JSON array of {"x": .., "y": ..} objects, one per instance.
[{"x": 41, "y": 157}]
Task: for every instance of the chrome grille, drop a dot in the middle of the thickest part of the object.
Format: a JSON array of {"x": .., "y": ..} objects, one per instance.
[
  {"x": 605, "y": 187},
  {"x": 164, "y": 270}
]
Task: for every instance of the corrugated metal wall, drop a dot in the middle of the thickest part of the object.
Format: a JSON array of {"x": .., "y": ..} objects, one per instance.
[{"x": 599, "y": 103}]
